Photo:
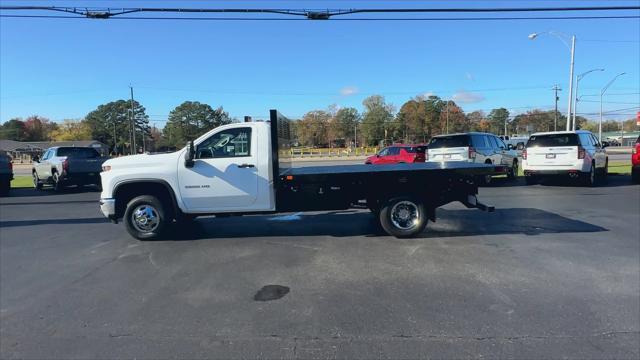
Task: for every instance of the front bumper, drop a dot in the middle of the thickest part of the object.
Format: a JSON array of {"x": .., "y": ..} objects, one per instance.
[{"x": 108, "y": 208}]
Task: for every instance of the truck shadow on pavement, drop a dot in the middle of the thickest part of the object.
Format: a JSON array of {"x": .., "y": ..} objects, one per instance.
[
  {"x": 612, "y": 181},
  {"x": 450, "y": 223}
]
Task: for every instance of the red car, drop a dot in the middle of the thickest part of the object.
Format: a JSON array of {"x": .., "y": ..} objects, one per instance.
[
  {"x": 635, "y": 162},
  {"x": 396, "y": 154}
]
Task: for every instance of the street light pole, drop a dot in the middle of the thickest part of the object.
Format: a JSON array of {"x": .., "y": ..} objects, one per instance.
[
  {"x": 571, "y": 66},
  {"x": 601, "y": 96},
  {"x": 575, "y": 106},
  {"x": 573, "y": 51}
]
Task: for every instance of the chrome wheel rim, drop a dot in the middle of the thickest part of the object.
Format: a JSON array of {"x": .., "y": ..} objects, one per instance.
[
  {"x": 145, "y": 218},
  {"x": 405, "y": 215}
]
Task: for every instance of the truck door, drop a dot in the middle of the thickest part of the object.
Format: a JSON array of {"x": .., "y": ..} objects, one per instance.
[
  {"x": 43, "y": 167},
  {"x": 225, "y": 173}
]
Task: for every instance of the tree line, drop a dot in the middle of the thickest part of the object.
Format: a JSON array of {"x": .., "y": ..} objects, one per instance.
[{"x": 379, "y": 123}]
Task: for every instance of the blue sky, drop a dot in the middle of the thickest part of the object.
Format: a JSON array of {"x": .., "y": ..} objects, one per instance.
[{"x": 64, "y": 68}]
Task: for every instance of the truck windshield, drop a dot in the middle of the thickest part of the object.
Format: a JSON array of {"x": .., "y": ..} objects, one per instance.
[
  {"x": 78, "y": 153},
  {"x": 449, "y": 141},
  {"x": 553, "y": 140}
]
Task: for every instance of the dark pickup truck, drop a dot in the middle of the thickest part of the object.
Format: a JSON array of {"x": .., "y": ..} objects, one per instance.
[{"x": 64, "y": 166}]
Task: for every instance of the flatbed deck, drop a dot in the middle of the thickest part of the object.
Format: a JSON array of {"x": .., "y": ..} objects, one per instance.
[{"x": 455, "y": 166}]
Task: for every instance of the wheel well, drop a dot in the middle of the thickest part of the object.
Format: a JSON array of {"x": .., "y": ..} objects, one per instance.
[
  {"x": 488, "y": 161},
  {"x": 127, "y": 191}
]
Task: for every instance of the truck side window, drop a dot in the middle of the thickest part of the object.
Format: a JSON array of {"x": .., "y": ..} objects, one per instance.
[
  {"x": 478, "y": 141},
  {"x": 384, "y": 152},
  {"x": 585, "y": 140},
  {"x": 227, "y": 143},
  {"x": 394, "y": 151}
]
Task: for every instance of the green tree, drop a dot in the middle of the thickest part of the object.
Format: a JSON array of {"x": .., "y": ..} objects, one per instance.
[
  {"x": 312, "y": 129},
  {"x": 190, "y": 120},
  {"x": 111, "y": 124},
  {"x": 433, "y": 108},
  {"x": 376, "y": 120},
  {"x": 474, "y": 119},
  {"x": 345, "y": 123},
  {"x": 497, "y": 118},
  {"x": 13, "y": 130}
]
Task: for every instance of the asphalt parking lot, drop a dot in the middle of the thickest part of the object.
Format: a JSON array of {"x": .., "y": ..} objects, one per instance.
[{"x": 553, "y": 273}]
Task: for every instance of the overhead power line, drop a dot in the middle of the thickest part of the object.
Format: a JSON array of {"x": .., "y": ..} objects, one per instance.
[{"x": 312, "y": 14}]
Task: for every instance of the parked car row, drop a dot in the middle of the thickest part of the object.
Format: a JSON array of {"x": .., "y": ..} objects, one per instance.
[{"x": 574, "y": 154}]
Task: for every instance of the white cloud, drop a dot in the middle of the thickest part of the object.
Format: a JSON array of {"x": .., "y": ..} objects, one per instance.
[
  {"x": 465, "y": 97},
  {"x": 349, "y": 90}
]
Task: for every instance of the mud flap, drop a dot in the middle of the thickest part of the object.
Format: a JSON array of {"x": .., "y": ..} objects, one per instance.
[{"x": 473, "y": 203}]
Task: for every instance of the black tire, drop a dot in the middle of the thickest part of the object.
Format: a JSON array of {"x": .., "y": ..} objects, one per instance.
[
  {"x": 145, "y": 207},
  {"x": 591, "y": 178},
  {"x": 635, "y": 175},
  {"x": 403, "y": 217},
  {"x": 5, "y": 185},
  {"x": 531, "y": 180},
  {"x": 513, "y": 172},
  {"x": 604, "y": 177},
  {"x": 58, "y": 185},
  {"x": 37, "y": 184}
]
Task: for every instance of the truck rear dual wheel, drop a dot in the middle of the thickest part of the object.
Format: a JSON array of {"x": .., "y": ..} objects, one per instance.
[
  {"x": 403, "y": 217},
  {"x": 145, "y": 218}
]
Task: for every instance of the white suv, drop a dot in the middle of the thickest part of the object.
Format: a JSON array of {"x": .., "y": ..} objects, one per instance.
[
  {"x": 474, "y": 147},
  {"x": 577, "y": 154}
]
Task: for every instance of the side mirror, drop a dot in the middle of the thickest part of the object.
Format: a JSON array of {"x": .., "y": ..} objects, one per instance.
[
  {"x": 605, "y": 144},
  {"x": 36, "y": 158},
  {"x": 190, "y": 155},
  {"x": 510, "y": 147}
]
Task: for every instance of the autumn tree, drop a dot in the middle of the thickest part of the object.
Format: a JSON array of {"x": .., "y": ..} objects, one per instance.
[
  {"x": 452, "y": 118},
  {"x": 474, "y": 120},
  {"x": 38, "y": 128},
  {"x": 71, "y": 130}
]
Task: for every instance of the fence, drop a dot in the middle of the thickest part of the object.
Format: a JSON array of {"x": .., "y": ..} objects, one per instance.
[{"x": 305, "y": 152}]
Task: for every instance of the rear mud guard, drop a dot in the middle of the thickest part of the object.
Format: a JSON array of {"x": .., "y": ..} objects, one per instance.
[{"x": 473, "y": 203}]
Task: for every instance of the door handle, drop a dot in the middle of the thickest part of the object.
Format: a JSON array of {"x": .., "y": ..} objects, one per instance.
[{"x": 242, "y": 166}]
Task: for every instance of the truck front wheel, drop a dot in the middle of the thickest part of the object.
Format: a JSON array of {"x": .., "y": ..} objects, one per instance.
[
  {"x": 145, "y": 218},
  {"x": 403, "y": 217}
]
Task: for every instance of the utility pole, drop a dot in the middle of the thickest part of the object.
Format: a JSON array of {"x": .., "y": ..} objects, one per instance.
[
  {"x": 573, "y": 52},
  {"x": 447, "y": 116},
  {"x": 556, "y": 88},
  {"x": 133, "y": 125},
  {"x": 355, "y": 135}
]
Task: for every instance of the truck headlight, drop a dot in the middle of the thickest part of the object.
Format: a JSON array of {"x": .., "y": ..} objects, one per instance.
[{"x": 106, "y": 168}]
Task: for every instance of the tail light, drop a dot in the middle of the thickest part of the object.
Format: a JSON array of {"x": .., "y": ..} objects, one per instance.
[
  {"x": 634, "y": 150},
  {"x": 65, "y": 166},
  {"x": 426, "y": 155},
  {"x": 524, "y": 154},
  {"x": 420, "y": 157},
  {"x": 472, "y": 153},
  {"x": 581, "y": 152}
]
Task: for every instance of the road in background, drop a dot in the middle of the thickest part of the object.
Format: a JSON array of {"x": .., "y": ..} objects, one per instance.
[{"x": 548, "y": 275}]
